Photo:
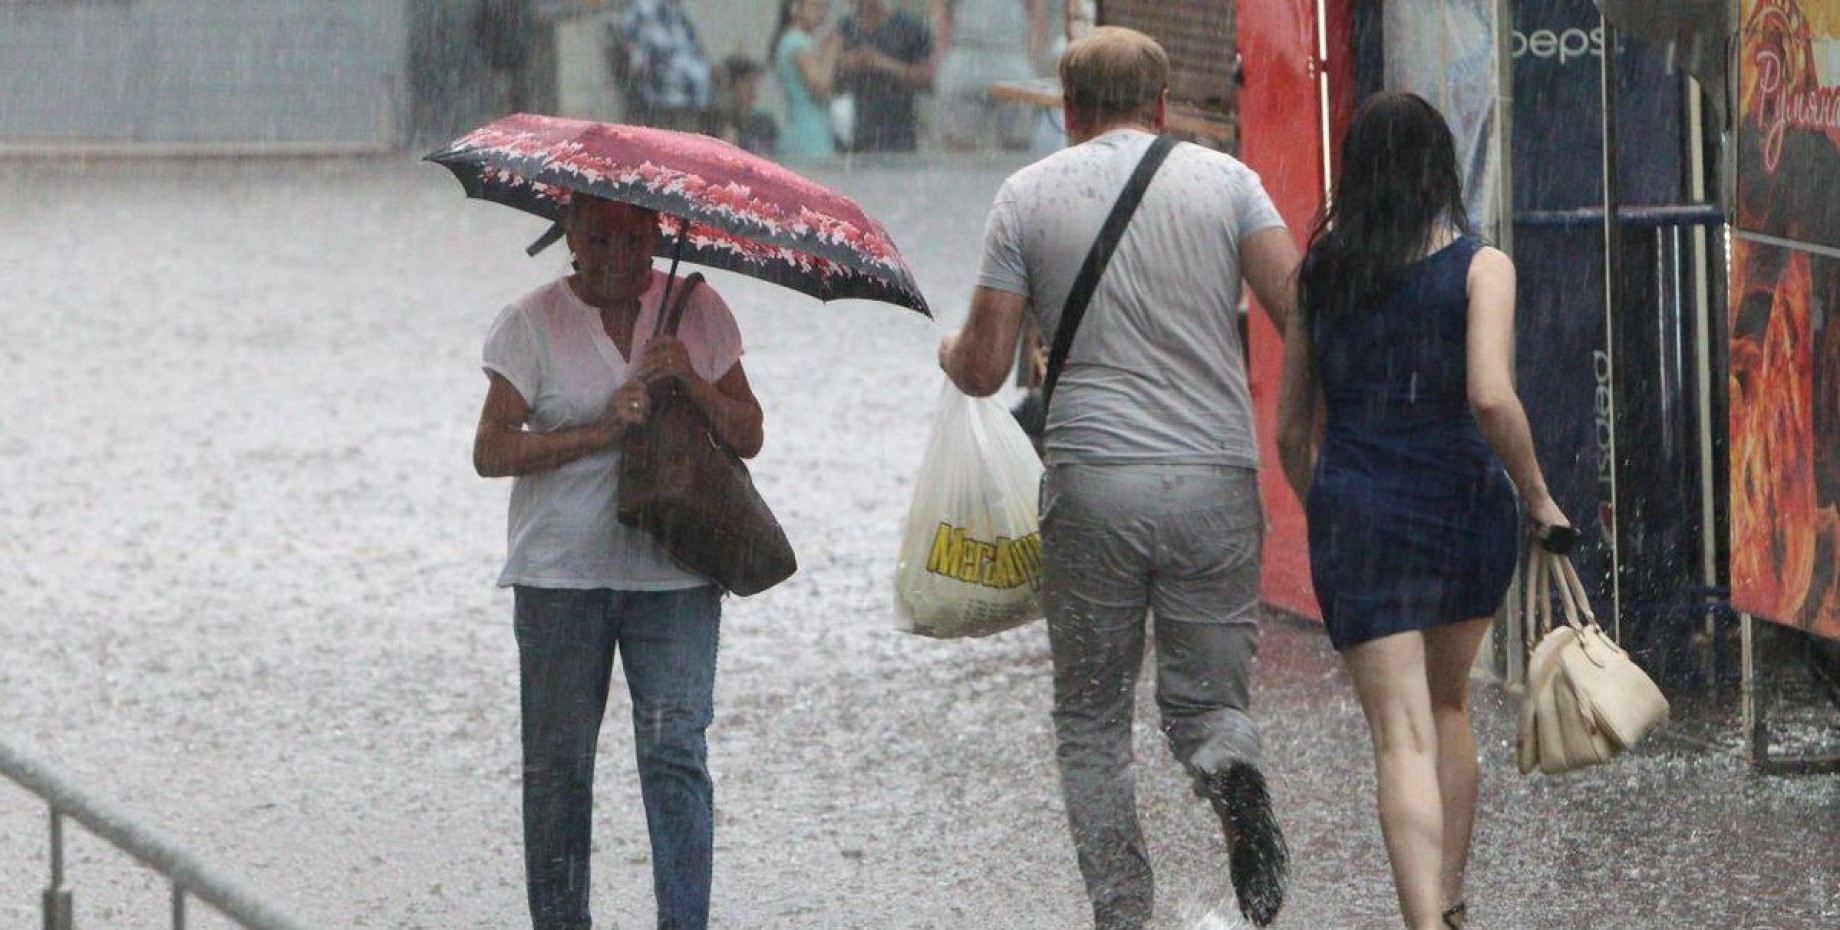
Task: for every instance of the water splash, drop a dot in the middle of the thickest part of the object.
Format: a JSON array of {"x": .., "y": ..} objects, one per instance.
[{"x": 1219, "y": 919}]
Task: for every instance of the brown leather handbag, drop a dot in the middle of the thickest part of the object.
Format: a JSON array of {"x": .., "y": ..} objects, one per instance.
[{"x": 694, "y": 495}]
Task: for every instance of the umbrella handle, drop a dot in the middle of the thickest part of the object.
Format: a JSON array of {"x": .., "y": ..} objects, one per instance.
[
  {"x": 549, "y": 237},
  {"x": 671, "y": 315},
  {"x": 670, "y": 280}
]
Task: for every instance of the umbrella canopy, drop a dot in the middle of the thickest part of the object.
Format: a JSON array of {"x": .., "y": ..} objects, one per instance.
[{"x": 745, "y": 213}]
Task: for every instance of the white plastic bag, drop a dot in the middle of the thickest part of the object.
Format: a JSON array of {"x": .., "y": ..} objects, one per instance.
[
  {"x": 843, "y": 120},
  {"x": 971, "y": 552}
]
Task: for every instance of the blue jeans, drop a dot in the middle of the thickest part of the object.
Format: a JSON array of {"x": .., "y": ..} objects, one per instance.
[{"x": 666, "y": 641}]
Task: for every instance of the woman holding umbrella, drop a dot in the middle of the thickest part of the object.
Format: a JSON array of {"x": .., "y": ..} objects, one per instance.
[{"x": 569, "y": 367}]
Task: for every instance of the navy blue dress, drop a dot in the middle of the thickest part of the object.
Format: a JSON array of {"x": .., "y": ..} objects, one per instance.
[{"x": 1413, "y": 522}]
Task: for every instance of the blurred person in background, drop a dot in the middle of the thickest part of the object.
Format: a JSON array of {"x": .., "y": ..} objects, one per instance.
[
  {"x": 659, "y": 64},
  {"x": 1396, "y": 414},
  {"x": 569, "y": 367},
  {"x": 885, "y": 63},
  {"x": 805, "y": 66},
  {"x": 740, "y": 120},
  {"x": 1046, "y": 134},
  {"x": 506, "y": 31},
  {"x": 1150, "y": 501},
  {"x": 981, "y": 42}
]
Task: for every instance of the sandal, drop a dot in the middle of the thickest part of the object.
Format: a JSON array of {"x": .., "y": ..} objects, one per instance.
[{"x": 1454, "y": 916}]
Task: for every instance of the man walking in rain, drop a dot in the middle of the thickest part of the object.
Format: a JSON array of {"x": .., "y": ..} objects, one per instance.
[{"x": 1150, "y": 503}]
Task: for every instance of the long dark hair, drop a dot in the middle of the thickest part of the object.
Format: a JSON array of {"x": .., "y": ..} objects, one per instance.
[
  {"x": 1398, "y": 180},
  {"x": 779, "y": 30}
]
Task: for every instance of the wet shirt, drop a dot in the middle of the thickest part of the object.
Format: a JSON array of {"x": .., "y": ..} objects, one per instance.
[
  {"x": 886, "y": 114},
  {"x": 1157, "y": 370},
  {"x": 551, "y": 347}
]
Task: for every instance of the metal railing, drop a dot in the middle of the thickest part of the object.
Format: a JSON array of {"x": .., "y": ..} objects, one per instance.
[{"x": 190, "y": 877}]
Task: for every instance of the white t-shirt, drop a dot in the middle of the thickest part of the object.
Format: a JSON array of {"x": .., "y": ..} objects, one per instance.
[
  {"x": 1157, "y": 370},
  {"x": 552, "y": 348}
]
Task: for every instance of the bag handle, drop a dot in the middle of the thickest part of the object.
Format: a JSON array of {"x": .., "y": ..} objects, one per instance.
[
  {"x": 1536, "y": 607},
  {"x": 1545, "y": 571},
  {"x": 1576, "y": 602},
  {"x": 1096, "y": 259}
]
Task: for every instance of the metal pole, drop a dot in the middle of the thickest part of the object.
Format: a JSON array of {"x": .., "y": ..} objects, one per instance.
[
  {"x": 1702, "y": 379},
  {"x": 57, "y": 849},
  {"x": 1756, "y": 732},
  {"x": 1504, "y": 127},
  {"x": 1668, "y": 313},
  {"x": 1612, "y": 287},
  {"x": 1702, "y": 342},
  {"x": 1323, "y": 115},
  {"x": 222, "y": 892},
  {"x": 1511, "y": 647},
  {"x": 178, "y": 906},
  {"x": 57, "y": 902}
]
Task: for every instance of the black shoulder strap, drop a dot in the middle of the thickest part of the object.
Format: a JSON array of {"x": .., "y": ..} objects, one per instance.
[
  {"x": 1102, "y": 248},
  {"x": 670, "y": 316}
]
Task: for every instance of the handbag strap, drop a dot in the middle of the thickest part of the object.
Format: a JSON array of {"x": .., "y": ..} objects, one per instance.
[
  {"x": 1536, "y": 604},
  {"x": 672, "y": 315},
  {"x": 1545, "y": 572},
  {"x": 1577, "y": 603},
  {"x": 1096, "y": 259}
]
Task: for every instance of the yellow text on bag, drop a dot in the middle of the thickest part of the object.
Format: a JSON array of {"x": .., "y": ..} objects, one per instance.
[{"x": 1003, "y": 563}]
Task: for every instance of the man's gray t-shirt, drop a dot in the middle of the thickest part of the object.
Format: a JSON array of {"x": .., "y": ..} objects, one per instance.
[{"x": 1157, "y": 371}]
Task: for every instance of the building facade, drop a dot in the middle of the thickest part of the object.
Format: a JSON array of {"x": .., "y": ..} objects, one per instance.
[{"x": 202, "y": 72}]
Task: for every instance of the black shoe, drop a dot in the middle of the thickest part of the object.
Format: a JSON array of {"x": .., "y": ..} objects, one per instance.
[{"x": 1259, "y": 857}]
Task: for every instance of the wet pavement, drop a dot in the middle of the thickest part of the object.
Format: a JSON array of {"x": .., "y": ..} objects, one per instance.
[{"x": 247, "y": 594}]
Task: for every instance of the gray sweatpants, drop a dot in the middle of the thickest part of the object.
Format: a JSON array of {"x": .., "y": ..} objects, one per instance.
[{"x": 1182, "y": 543}]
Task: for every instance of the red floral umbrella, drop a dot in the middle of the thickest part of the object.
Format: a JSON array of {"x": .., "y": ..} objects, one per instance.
[{"x": 746, "y": 214}]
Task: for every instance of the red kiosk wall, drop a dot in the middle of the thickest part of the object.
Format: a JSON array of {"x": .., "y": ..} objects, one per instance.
[
  {"x": 1784, "y": 380},
  {"x": 1281, "y": 139}
]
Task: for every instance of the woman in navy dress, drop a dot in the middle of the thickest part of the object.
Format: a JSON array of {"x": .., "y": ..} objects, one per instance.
[{"x": 1403, "y": 341}]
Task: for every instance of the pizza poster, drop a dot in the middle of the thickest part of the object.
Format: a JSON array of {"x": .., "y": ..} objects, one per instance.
[
  {"x": 1788, "y": 147},
  {"x": 1784, "y": 373},
  {"x": 1785, "y": 435}
]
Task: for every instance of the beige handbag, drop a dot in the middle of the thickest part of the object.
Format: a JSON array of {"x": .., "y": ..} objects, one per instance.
[{"x": 1586, "y": 699}]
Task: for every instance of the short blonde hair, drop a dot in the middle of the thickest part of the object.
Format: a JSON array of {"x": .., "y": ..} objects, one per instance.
[{"x": 1114, "y": 72}]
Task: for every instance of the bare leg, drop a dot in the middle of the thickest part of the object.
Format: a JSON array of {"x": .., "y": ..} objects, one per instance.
[
  {"x": 1450, "y": 651},
  {"x": 1390, "y": 680}
]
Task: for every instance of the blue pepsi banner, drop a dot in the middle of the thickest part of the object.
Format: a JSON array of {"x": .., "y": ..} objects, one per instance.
[{"x": 1607, "y": 410}]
